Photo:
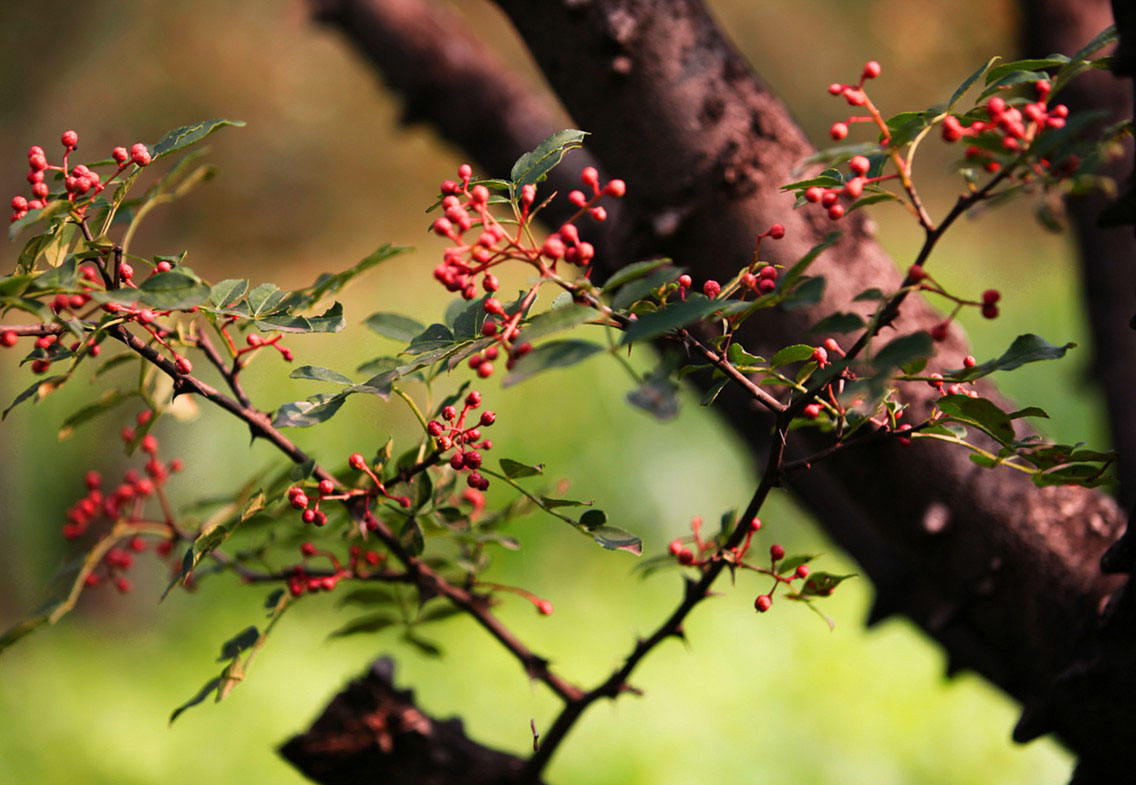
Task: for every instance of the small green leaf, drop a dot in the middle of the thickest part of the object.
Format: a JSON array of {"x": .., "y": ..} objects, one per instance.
[
  {"x": 532, "y": 167},
  {"x": 372, "y": 622},
  {"x": 657, "y": 395},
  {"x": 436, "y": 336},
  {"x": 227, "y": 293},
  {"x": 969, "y": 82},
  {"x": 980, "y": 413},
  {"x": 798, "y": 352},
  {"x": 315, "y": 373},
  {"x": 514, "y": 469},
  {"x": 555, "y": 320},
  {"x": 838, "y": 323},
  {"x": 798, "y": 269},
  {"x": 180, "y": 138},
  {"x": 1026, "y": 348},
  {"x": 410, "y": 537},
  {"x": 790, "y": 563},
  {"x": 901, "y": 351},
  {"x": 394, "y": 325},
  {"x": 808, "y": 291},
  {"x": 304, "y": 414},
  {"x": 240, "y": 642},
  {"x": 670, "y": 317},
  {"x": 822, "y": 584},
  {"x": 210, "y": 687},
  {"x": 554, "y": 354},
  {"x": 1006, "y": 69},
  {"x": 633, "y": 272}
]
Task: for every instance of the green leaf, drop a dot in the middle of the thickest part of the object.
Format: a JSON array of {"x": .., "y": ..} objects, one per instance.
[
  {"x": 798, "y": 352},
  {"x": 265, "y": 299},
  {"x": 669, "y": 318},
  {"x": 841, "y": 153},
  {"x": 552, "y": 504},
  {"x": 315, "y": 373},
  {"x": 534, "y": 166},
  {"x": 180, "y": 138},
  {"x": 969, "y": 82},
  {"x": 1026, "y": 348},
  {"x": 394, "y": 325},
  {"x": 905, "y": 126},
  {"x": 870, "y": 199},
  {"x": 791, "y": 563},
  {"x": 554, "y": 354},
  {"x": 980, "y": 413},
  {"x": 640, "y": 288},
  {"x": 330, "y": 321},
  {"x": 822, "y": 584},
  {"x": 239, "y": 643},
  {"x": 65, "y": 276},
  {"x": 210, "y": 687},
  {"x": 229, "y": 292},
  {"x": 172, "y": 291},
  {"x": 902, "y": 351},
  {"x": 107, "y": 401},
  {"x": 40, "y": 388},
  {"x": 555, "y": 320},
  {"x": 1006, "y": 69},
  {"x": 371, "y": 622},
  {"x": 633, "y": 272},
  {"x": 436, "y": 336},
  {"x": 304, "y": 414},
  {"x": 838, "y": 323},
  {"x": 808, "y": 291},
  {"x": 514, "y": 469},
  {"x": 616, "y": 539}
]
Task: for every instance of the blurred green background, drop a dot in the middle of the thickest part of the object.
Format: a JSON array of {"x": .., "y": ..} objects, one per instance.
[{"x": 321, "y": 176}]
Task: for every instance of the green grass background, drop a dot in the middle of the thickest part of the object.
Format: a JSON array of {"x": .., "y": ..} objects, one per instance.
[{"x": 321, "y": 176}]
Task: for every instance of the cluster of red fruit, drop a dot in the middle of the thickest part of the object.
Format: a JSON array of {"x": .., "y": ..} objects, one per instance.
[
  {"x": 466, "y": 207},
  {"x": 78, "y": 181},
  {"x": 853, "y": 188},
  {"x": 855, "y": 96},
  {"x": 126, "y": 502},
  {"x": 301, "y": 581},
  {"x": 1007, "y": 127},
  {"x": 453, "y": 433}
]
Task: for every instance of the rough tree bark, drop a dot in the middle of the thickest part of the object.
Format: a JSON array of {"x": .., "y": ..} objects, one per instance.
[{"x": 1003, "y": 575}]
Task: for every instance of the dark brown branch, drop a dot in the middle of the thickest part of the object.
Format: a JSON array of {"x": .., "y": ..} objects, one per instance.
[{"x": 374, "y": 732}]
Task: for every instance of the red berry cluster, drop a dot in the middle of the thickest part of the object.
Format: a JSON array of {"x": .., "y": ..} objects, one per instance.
[
  {"x": 855, "y": 96},
  {"x": 764, "y": 602},
  {"x": 79, "y": 181},
  {"x": 466, "y": 206},
  {"x": 853, "y": 188},
  {"x": 303, "y": 581},
  {"x": 453, "y": 433},
  {"x": 1007, "y": 127}
]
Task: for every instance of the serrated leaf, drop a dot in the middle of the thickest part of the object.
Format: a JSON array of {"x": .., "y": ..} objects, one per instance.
[
  {"x": 969, "y": 82},
  {"x": 808, "y": 292},
  {"x": 172, "y": 291},
  {"x": 318, "y": 374},
  {"x": 394, "y": 325},
  {"x": 227, "y": 293},
  {"x": 791, "y": 563},
  {"x": 555, "y": 320},
  {"x": 534, "y": 166},
  {"x": 640, "y": 287},
  {"x": 838, "y": 323},
  {"x": 798, "y": 352},
  {"x": 554, "y": 354},
  {"x": 1026, "y": 348},
  {"x": 514, "y": 469},
  {"x": 632, "y": 272},
  {"x": 669, "y": 318},
  {"x": 304, "y": 414},
  {"x": 107, "y": 401},
  {"x": 821, "y": 584},
  {"x": 980, "y": 413},
  {"x": 436, "y": 336},
  {"x": 901, "y": 351},
  {"x": 180, "y": 138}
]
